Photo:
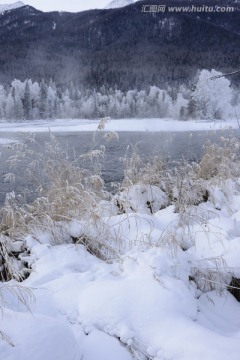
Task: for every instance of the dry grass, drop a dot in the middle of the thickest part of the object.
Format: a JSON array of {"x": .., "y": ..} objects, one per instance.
[
  {"x": 220, "y": 161},
  {"x": 68, "y": 191}
]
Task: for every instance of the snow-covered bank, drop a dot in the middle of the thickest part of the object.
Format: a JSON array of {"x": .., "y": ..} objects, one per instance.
[
  {"x": 117, "y": 125},
  {"x": 157, "y": 301},
  {"x": 5, "y": 141},
  {"x": 144, "y": 274}
]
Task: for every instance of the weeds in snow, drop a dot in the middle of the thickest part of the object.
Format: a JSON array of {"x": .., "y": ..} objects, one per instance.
[
  {"x": 68, "y": 191},
  {"x": 221, "y": 161}
]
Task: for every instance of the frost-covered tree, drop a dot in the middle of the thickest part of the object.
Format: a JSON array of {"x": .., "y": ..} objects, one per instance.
[
  {"x": 179, "y": 108},
  {"x": 51, "y": 96},
  {"x": 33, "y": 100},
  {"x": 18, "y": 107},
  {"x": 10, "y": 115},
  {"x": 2, "y": 101},
  {"x": 212, "y": 97}
]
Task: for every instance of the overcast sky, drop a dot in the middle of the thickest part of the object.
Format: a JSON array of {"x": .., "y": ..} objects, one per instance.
[{"x": 65, "y": 5}]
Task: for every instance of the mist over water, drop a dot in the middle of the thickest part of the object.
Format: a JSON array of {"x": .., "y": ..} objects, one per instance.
[{"x": 172, "y": 146}]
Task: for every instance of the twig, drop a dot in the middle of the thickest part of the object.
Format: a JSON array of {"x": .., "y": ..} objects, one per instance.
[{"x": 218, "y": 76}]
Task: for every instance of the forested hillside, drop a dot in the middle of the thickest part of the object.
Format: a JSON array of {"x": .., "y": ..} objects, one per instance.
[{"x": 92, "y": 48}]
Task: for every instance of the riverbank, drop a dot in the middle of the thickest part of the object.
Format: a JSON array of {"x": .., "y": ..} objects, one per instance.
[
  {"x": 151, "y": 272},
  {"x": 64, "y": 125},
  {"x": 162, "y": 294}
]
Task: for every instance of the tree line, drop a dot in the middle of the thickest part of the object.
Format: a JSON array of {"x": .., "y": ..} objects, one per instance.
[{"x": 210, "y": 98}]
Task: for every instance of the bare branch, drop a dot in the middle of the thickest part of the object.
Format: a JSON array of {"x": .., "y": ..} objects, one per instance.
[{"x": 218, "y": 76}]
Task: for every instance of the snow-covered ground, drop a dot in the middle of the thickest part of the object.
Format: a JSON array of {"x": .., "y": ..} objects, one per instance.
[
  {"x": 156, "y": 301},
  {"x": 162, "y": 294},
  {"x": 64, "y": 125},
  {"x": 5, "y": 141}
]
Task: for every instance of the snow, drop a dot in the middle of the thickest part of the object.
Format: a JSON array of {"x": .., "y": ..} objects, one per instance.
[
  {"x": 71, "y": 125},
  {"x": 141, "y": 303},
  {"x": 119, "y": 3},
  {"x": 162, "y": 294},
  {"x": 37, "y": 337},
  {"x": 8, "y": 7},
  {"x": 212, "y": 97},
  {"x": 142, "y": 199},
  {"x": 5, "y": 141}
]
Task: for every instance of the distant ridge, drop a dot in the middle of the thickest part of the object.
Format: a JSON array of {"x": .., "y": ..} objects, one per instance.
[
  {"x": 7, "y": 7},
  {"x": 121, "y": 48},
  {"x": 114, "y": 4}
]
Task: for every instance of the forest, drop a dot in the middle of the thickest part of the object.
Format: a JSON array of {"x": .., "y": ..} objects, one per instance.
[
  {"x": 92, "y": 48},
  {"x": 209, "y": 98}
]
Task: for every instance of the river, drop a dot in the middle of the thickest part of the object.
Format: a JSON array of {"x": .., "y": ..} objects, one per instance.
[{"x": 173, "y": 146}]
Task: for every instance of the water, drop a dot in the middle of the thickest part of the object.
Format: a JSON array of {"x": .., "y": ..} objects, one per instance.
[{"x": 173, "y": 146}]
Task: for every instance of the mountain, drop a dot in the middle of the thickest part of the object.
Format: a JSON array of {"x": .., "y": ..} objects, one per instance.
[
  {"x": 121, "y": 47},
  {"x": 119, "y": 3},
  {"x": 8, "y": 7}
]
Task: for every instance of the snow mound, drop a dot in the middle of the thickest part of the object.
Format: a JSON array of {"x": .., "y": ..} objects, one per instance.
[
  {"x": 37, "y": 337},
  {"x": 95, "y": 310},
  {"x": 141, "y": 198},
  {"x": 8, "y": 7}
]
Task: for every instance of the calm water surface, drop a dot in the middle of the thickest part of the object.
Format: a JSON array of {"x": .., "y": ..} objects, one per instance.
[{"x": 173, "y": 146}]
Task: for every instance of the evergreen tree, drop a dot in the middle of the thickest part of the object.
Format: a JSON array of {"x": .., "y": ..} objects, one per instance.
[
  {"x": 192, "y": 109},
  {"x": 43, "y": 100},
  {"x": 27, "y": 105}
]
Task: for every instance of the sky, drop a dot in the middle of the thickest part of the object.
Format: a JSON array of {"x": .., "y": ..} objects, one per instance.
[{"x": 62, "y": 5}]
